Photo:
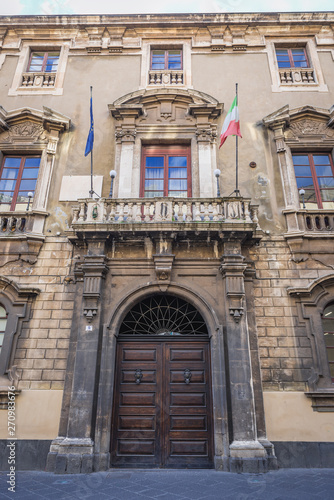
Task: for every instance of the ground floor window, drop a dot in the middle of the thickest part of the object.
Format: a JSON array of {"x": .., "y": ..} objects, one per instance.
[
  {"x": 166, "y": 172},
  {"x": 3, "y": 323}
]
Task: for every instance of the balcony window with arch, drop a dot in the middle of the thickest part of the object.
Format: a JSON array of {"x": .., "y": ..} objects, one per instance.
[
  {"x": 18, "y": 182},
  {"x": 315, "y": 176},
  {"x": 328, "y": 327},
  {"x": 166, "y": 172}
]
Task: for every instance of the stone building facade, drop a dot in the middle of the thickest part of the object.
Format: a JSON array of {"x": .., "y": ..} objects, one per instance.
[{"x": 170, "y": 318}]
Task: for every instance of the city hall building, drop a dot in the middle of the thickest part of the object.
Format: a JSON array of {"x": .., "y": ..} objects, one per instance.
[{"x": 174, "y": 309}]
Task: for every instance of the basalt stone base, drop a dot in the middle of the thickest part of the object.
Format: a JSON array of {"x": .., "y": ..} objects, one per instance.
[
  {"x": 252, "y": 456},
  {"x": 30, "y": 454},
  {"x": 70, "y": 456},
  {"x": 304, "y": 454}
]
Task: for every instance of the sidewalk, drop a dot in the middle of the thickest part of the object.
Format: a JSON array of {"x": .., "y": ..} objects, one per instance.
[{"x": 116, "y": 484}]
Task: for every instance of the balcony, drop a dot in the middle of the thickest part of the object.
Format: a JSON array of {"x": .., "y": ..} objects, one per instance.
[
  {"x": 165, "y": 77},
  {"x": 140, "y": 215},
  {"x": 309, "y": 230},
  {"x": 38, "y": 80},
  {"x": 21, "y": 235},
  {"x": 293, "y": 76}
]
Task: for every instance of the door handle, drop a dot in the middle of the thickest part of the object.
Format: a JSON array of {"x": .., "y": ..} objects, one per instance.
[
  {"x": 138, "y": 375},
  {"x": 187, "y": 375}
]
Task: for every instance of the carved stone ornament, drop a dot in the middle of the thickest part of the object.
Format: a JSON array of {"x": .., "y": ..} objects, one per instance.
[
  {"x": 206, "y": 135},
  {"x": 237, "y": 313},
  {"x": 310, "y": 127},
  {"x": 27, "y": 131},
  {"x": 125, "y": 135}
]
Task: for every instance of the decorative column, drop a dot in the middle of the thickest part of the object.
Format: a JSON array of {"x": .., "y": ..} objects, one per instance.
[
  {"x": 125, "y": 138},
  {"x": 246, "y": 453},
  {"x": 74, "y": 452}
]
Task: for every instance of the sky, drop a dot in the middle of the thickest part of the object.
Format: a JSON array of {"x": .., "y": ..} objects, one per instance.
[{"x": 55, "y": 7}]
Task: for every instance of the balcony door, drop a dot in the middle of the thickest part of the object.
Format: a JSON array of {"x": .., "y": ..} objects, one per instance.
[{"x": 165, "y": 172}]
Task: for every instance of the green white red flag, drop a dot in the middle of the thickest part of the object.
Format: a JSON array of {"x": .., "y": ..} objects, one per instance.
[{"x": 231, "y": 125}]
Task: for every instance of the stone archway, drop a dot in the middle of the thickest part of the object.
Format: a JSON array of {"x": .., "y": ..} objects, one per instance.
[{"x": 162, "y": 411}]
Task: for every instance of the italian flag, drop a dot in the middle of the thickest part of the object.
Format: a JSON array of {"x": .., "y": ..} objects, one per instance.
[{"x": 231, "y": 124}]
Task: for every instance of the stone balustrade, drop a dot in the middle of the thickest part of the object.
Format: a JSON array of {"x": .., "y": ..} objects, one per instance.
[
  {"x": 145, "y": 211},
  {"x": 38, "y": 79},
  {"x": 318, "y": 221},
  {"x": 12, "y": 224},
  {"x": 20, "y": 223},
  {"x": 296, "y": 76},
  {"x": 166, "y": 77}
]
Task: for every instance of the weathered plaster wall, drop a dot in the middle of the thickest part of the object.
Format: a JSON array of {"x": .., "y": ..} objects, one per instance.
[
  {"x": 37, "y": 415},
  {"x": 290, "y": 417}
]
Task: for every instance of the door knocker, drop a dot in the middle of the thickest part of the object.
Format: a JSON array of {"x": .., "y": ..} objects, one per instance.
[
  {"x": 187, "y": 375},
  {"x": 138, "y": 376}
]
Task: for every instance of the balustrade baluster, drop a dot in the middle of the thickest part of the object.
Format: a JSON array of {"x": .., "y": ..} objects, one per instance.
[
  {"x": 206, "y": 211},
  {"x": 147, "y": 211}
]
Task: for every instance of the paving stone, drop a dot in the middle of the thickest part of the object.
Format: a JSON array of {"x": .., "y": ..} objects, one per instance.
[{"x": 284, "y": 484}]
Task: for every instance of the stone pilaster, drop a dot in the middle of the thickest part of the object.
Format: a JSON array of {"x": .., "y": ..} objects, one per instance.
[
  {"x": 247, "y": 454},
  {"x": 73, "y": 453}
]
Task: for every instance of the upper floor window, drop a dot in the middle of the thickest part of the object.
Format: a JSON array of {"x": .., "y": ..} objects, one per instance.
[
  {"x": 3, "y": 323},
  {"x": 328, "y": 326},
  {"x": 315, "y": 175},
  {"x": 166, "y": 172},
  {"x": 292, "y": 58},
  {"x": 44, "y": 62},
  {"x": 18, "y": 182},
  {"x": 166, "y": 59}
]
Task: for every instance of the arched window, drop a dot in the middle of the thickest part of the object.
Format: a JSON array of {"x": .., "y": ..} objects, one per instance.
[
  {"x": 163, "y": 315},
  {"x": 3, "y": 323},
  {"x": 328, "y": 327}
]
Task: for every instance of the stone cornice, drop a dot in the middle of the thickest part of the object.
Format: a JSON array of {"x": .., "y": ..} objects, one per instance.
[{"x": 257, "y": 18}]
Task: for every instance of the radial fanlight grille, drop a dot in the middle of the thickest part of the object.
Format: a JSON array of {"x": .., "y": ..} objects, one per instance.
[{"x": 163, "y": 315}]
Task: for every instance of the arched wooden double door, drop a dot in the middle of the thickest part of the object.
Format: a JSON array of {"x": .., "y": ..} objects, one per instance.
[{"x": 162, "y": 414}]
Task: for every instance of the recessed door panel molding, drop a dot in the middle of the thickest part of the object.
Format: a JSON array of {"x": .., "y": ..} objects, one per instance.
[{"x": 162, "y": 415}]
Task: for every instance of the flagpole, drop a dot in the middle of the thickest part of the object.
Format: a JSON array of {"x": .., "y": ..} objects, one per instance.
[
  {"x": 91, "y": 192},
  {"x": 237, "y": 192}
]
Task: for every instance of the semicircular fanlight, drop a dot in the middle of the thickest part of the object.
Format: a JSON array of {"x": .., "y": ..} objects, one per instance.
[{"x": 163, "y": 315}]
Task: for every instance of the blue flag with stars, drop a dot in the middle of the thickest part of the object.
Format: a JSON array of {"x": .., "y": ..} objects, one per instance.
[{"x": 90, "y": 138}]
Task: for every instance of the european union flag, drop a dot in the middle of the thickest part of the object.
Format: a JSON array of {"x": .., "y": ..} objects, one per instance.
[{"x": 90, "y": 138}]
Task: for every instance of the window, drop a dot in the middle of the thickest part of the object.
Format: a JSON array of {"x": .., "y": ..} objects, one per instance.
[
  {"x": 328, "y": 326},
  {"x": 292, "y": 58},
  {"x": 315, "y": 174},
  {"x": 46, "y": 62},
  {"x": 3, "y": 323},
  {"x": 18, "y": 182},
  {"x": 166, "y": 172},
  {"x": 166, "y": 59}
]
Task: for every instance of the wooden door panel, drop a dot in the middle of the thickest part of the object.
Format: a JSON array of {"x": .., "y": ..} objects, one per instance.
[
  {"x": 136, "y": 435},
  {"x": 132, "y": 423},
  {"x": 139, "y": 354},
  {"x": 162, "y": 421},
  {"x": 148, "y": 376},
  {"x": 192, "y": 423},
  {"x": 189, "y": 448},
  {"x": 137, "y": 399},
  {"x": 186, "y": 354},
  {"x": 188, "y": 440},
  {"x": 197, "y": 376},
  {"x": 136, "y": 447},
  {"x": 187, "y": 399}
]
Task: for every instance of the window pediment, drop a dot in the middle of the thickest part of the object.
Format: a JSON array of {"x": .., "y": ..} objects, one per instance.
[
  {"x": 165, "y": 105},
  {"x": 305, "y": 121}
]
